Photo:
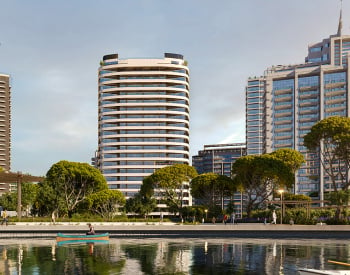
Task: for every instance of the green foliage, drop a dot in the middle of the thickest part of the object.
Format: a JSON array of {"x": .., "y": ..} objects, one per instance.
[
  {"x": 193, "y": 213},
  {"x": 211, "y": 189},
  {"x": 105, "y": 202},
  {"x": 29, "y": 193},
  {"x": 171, "y": 182},
  {"x": 296, "y": 197},
  {"x": 340, "y": 197},
  {"x": 260, "y": 176},
  {"x": 72, "y": 182},
  {"x": 9, "y": 201},
  {"x": 48, "y": 200},
  {"x": 299, "y": 216},
  {"x": 331, "y": 138},
  {"x": 292, "y": 158},
  {"x": 140, "y": 205}
]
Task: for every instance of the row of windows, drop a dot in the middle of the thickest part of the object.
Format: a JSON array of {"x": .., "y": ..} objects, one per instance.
[
  {"x": 137, "y": 162},
  {"x": 145, "y": 147},
  {"x": 145, "y": 155},
  {"x": 169, "y": 124},
  {"x": 165, "y": 108},
  {"x": 154, "y": 132},
  {"x": 113, "y": 140},
  {"x": 136, "y": 85},
  {"x": 158, "y": 116},
  {"x": 141, "y": 69},
  {"x": 144, "y": 101},
  {"x": 335, "y": 105},
  {"x": 128, "y": 170}
]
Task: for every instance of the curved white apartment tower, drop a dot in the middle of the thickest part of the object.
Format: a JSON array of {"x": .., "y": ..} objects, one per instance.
[{"x": 143, "y": 118}]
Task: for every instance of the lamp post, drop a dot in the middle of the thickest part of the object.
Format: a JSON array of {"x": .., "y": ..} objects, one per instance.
[
  {"x": 281, "y": 192},
  {"x": 206, "y": 213}
]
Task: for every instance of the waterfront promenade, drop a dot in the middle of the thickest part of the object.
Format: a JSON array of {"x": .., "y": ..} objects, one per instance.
[{"x": 172, "y": 230}]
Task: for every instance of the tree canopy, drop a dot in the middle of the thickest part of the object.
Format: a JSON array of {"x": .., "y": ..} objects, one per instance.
[
  {"x": 330, "y": 139},
  {"x": 292, "y": 158},
  {"x": 72, "y": 182},
  {"x": 171, "y": 182},
  {"x": 105, "y": 202},
  {"x": 211, "y": 189},
  {"x": 259, "y": 176}
]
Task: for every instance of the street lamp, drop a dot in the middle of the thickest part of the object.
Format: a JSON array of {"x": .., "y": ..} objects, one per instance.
[
  {"x": 206, "y": 213},
  {"x": 281, "y": 192}
]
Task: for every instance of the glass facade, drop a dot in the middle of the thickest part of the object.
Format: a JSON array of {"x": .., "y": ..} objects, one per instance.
[
  {"x": 255, "y": 106},
  {"x": 295, "y": 98}
]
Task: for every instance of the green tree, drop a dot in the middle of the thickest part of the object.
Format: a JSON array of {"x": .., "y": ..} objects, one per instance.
[
  {"x": 211, "y": 189},
  {"x": 72, "y": 182},
  {"x": 171, "y": 182},
  {"x": 140, "y": 205},
  {"x": 292, "y": 158},
  {"x": 105, "y": 202},
  {"x": 260, "y": 176},
  {"x": 330, "y": 138},
  {"x": 9, "y": 201},
  {"x": 48, "y": 200},
  {"x": 29, "y": 194}
]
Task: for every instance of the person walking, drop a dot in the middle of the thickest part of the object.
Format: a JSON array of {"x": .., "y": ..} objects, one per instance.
[
  {"x": 274, "y": 217},
  {"x": 233, "y": 216},
  {"x": 4, "y": 217},
  {"x": 53, "y": 217}
]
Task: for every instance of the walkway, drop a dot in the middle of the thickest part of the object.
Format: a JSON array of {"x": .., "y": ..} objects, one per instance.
[{"x": 170, "y": 230}]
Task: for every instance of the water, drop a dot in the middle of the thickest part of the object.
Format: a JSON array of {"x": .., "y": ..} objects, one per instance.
[{"x": 171, "y": 256}]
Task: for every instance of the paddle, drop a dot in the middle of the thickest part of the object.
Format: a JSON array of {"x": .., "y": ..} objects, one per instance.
[{"x": 341, "y": 263}]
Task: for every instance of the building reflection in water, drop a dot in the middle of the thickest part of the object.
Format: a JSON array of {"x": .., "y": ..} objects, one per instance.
[{"x": 169, "y": 256}]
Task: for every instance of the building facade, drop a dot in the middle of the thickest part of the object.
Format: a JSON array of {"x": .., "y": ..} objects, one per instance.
[
  {"x": 284, "y": 103},
  {"x": 143, "y": 118},
  {"x": 5, "y": 122},
  {"x": 218, "y": 159}
]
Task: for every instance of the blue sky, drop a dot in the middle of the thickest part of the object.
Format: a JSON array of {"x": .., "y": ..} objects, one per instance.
[{"x": 52, "y": 51}]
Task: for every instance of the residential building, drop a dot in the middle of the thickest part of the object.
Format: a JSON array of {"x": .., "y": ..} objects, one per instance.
[
  {"x": 284, "y": 103},
  {"x": 5, "y": 122},
  {"x": 218, "y": 159},
  {"x": 143, "y": 118}
]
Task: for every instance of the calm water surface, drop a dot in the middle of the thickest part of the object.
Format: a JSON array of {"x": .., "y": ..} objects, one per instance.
[{"x": 171, "y": 256}]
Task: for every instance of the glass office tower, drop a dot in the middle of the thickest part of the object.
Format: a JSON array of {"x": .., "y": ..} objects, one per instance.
[
  {"x": 143, "y": 118},
  {"x": 284, "y": 103}
]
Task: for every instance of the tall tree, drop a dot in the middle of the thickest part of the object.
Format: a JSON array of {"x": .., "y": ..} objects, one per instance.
[
  {"x": 74, "y": 181},
  {"x": 105, "y": 202},
  {"x": 330, "y": 138},
  {"x": 211, "y": 189},
  {"x": 171, "y": 183},
  {"x": 291, "y": 157},
  {"x": 260, "y": 176}
]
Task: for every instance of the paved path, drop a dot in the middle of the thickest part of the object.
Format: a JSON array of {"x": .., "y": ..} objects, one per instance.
[{"x": 171, "y": 230}]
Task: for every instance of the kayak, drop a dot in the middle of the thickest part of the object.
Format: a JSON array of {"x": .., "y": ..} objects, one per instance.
[{"x": 63, "y": 238}]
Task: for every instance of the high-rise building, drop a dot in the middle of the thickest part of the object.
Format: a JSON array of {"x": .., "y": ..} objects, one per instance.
[
  {"x": 284, "y": 103},
  {"x": 5, "y": 122},
  {"x": 143, "y": 118},
  {"x": 218, "y": 158}
]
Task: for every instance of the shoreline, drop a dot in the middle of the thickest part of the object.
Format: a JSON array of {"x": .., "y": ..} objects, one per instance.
[{"x": 172, "y": 230}]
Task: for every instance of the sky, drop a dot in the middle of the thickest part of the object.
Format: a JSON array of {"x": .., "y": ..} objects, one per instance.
[{"x": 52, "y": 49}]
